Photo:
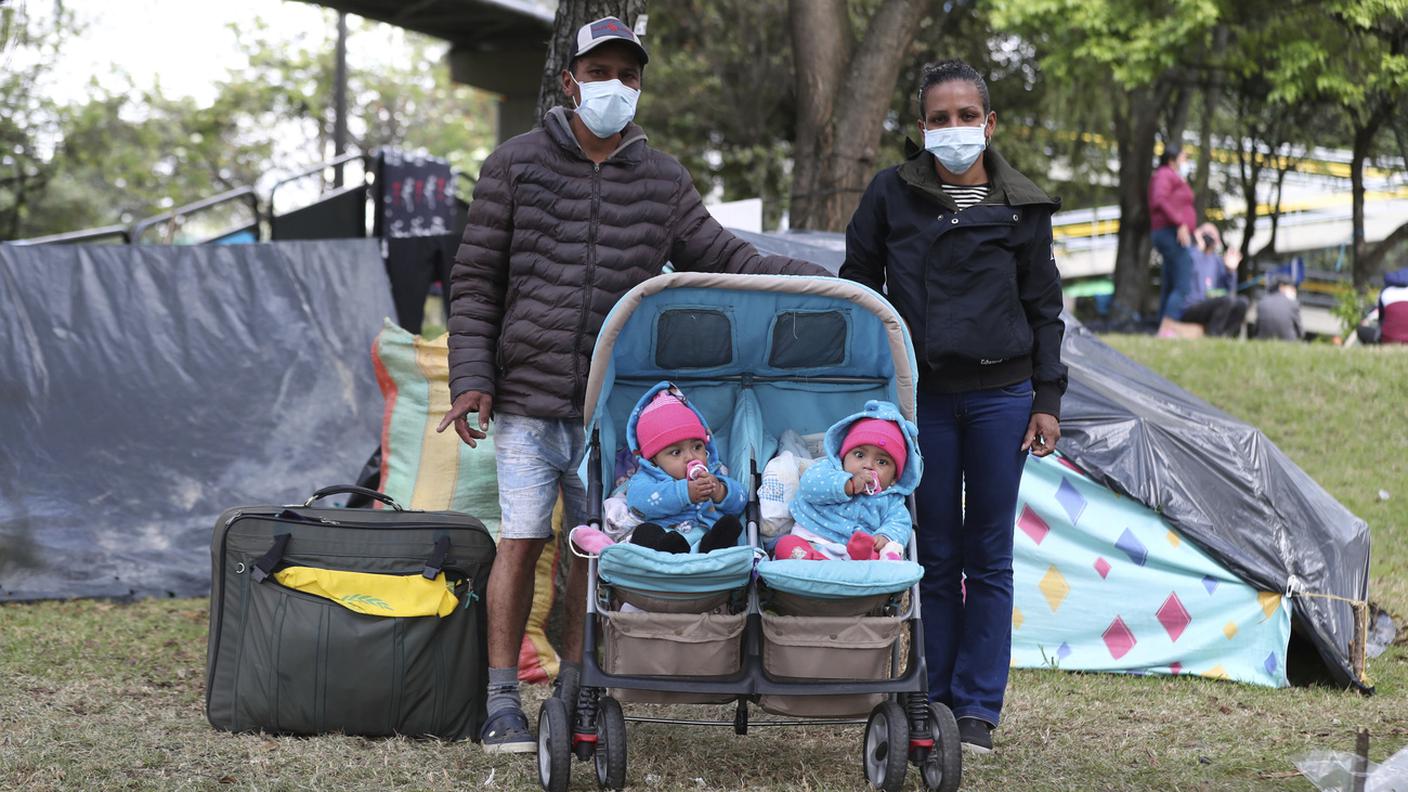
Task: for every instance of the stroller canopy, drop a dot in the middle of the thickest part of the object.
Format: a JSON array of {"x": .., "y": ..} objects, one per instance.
[{"x": 757, "y": 354}]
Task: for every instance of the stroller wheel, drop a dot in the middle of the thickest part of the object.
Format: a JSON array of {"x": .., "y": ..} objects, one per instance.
[
  {"x": 886, "y": 750},
  {"x": 942, "y": 768},
  {"x": 554, "y": 746},
  {"x": 610, "y": 757}
]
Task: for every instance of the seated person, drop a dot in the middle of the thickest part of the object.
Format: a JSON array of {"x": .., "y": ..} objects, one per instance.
[
  {"x": 1393, "y": 308},
  {"x": 1278, "y": 312},
  {"x": 1212, "y": 296},
  {"x": 678, "y": 492},
  {"x": 851, "y": 503}
]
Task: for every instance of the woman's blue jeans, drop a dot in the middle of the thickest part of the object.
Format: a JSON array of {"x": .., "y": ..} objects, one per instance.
[
  {"x": 971, "y": 442},
  {"x": 1177, "y": 273}
]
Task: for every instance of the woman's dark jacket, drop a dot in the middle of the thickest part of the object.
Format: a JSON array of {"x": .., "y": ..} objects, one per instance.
[{"x": 978, "y": 287}]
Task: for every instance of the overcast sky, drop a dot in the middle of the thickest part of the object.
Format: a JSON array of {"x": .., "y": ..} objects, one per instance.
[{"x": 185, "y": 42}]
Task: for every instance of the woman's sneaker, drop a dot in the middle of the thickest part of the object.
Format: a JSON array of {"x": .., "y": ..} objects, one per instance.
[{"x": 975, "y": 735}]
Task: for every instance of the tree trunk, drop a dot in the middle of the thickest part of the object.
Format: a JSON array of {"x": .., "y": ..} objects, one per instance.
[
  {"x": 835, "y": 148},
  {"x": 1249, "y": 164},
  {"x": 1178, "y": 114},
  {"x": 1283, "y": 166},
  {"x": 571, "y": 15},
  {"x": 1136, "y": 122},
  {"x": 1373, "y": 256},
  {"x": 821, "y": 49},
  {"x": 1363, "y": 136},
  {"x": 1212, "y": 97}
]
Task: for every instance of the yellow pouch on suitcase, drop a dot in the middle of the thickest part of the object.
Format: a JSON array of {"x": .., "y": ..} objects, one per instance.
[{"x": 372, "y": 594}]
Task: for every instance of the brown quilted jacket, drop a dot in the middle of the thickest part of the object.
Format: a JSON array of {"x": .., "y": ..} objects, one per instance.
[{"x": 552, "y": 243}]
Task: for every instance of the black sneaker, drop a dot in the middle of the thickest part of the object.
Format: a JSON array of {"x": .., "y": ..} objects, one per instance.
[{"x": 975, "y": 735}]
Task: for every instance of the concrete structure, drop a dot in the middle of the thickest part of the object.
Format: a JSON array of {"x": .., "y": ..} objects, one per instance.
[{"x": 495, "y": 45}]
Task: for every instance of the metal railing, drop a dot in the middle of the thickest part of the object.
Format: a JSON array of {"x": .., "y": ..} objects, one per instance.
[
  {"x": 174, "y": 219},
  {"x": 170, "y": 222},
  {"x": 74, "y": 237},
  {"x": 335, "y": 163}
]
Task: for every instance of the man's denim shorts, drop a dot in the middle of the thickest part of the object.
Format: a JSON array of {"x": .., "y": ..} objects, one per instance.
[{"x": 536, "y": 456}]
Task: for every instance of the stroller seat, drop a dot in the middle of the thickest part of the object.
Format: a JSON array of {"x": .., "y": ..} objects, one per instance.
[
  {"x": 835, "y": 588},
  {"x": 674, "y": 583}
]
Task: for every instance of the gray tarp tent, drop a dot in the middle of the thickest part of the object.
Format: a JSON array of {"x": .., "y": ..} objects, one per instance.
[{"x": 144, "y": 389}]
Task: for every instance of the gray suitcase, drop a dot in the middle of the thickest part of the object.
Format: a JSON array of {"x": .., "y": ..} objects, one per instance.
[{"x": 286, "y": 661}]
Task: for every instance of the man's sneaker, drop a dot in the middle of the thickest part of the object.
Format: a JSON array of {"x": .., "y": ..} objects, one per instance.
[
  {"x": 975, "y": 735},
  {"x": 506, "y": 731}
]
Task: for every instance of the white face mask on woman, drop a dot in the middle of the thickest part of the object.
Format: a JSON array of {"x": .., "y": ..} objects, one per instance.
[
  {"x": 957, "y": 147},
  {"x": 606, "y": 106}
]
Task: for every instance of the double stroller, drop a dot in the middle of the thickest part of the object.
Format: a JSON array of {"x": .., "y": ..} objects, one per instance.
[{"x": 823, "y": 642}]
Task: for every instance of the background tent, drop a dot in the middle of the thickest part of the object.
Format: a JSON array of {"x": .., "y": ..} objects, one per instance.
[
  {"x": 145, "y": 389},
  {"x": 1216, "y": 480}
]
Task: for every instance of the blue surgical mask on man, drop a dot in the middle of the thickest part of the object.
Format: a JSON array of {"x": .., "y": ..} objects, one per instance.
[
  {"x": 606, "y": 106},
  {"x": 957, "y": 147}
]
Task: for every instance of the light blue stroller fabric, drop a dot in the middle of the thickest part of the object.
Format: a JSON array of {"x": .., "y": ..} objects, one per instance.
[
  {"x": 839, "y": 579},
  {"x": 643, "y": 569}
]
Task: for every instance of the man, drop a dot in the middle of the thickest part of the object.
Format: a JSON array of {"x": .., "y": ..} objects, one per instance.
[
  {"x": 565, "y": 219},
  {"x": 1278, "y": 311},
  {"x": 1212, "y": 296}
]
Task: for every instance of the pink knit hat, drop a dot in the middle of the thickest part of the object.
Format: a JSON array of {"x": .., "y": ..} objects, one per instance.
[
  {"x": 664, "y": 421},
  {"x": 882, "y": 434}
]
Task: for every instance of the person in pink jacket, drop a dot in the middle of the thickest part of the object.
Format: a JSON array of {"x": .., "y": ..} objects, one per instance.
[{"x": 1171, "y": 221}]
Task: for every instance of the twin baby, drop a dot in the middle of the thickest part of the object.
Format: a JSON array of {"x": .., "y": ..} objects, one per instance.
[{"x": 851, "y": 504}]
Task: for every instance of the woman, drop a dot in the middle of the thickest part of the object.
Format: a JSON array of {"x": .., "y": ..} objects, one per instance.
[
  {"x": 962, "y": 242},
  {"x": 1171, "y": 221}
]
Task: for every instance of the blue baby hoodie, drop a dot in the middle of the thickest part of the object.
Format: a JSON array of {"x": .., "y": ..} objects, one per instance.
[
  {"x": 822, "y": 505},
  {"x": 654, "y": 496}
]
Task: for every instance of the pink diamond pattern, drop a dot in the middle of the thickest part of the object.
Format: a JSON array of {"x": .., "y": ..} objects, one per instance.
[
  {"x": 1103, "y": 567},
  {"x": 1173, "y": 616},
  {"x": 1032, "y": 525},
  {"x": 1118, "y": 639}
]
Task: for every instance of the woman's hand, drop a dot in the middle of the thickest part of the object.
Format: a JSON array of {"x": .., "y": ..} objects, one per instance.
[
  {"x": 1043, "y": 430},
  {"x": 1185, "y": 237}
]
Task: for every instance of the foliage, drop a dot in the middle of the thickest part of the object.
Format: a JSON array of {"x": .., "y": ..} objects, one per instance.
[
  {"x": 718, "y": 95},
  {"x": 29, "y": 46},
  {"x": 1132, "y": 41},
  {"x": 127, "y": 153},
  {"x": 1352, "y": 305}
]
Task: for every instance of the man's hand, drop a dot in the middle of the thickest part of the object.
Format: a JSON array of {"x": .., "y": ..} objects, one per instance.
[
  {"x": 1185, "y": 237},
  {"x": 469, "y": 402},
  {"x": 1043, "y": 431},
  {"x": 701, "y": 489}
]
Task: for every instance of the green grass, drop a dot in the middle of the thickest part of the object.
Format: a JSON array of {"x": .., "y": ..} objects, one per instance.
[{"x": 101, "y": 696}]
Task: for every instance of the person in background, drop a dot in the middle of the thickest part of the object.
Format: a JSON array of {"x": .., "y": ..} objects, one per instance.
[
  {"x": 1171, "y": 222},
  {"x": 1278, "y": 311},
  {"x": 1393, "y": 308},
  {"x": 1212, "y": 296}
]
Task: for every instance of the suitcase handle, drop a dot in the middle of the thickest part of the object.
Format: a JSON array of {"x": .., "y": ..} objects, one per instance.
[{"x": 352, "y": 489}]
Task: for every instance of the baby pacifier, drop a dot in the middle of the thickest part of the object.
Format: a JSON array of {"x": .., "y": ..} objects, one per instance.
[
  {"x": 695, "y": 469},
  {"x": 873, "y": 486}
]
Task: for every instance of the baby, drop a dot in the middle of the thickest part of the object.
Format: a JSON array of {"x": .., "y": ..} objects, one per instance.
[
  {"x": 851, "y": 503},
  {"x": 678, "y": 491}
]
